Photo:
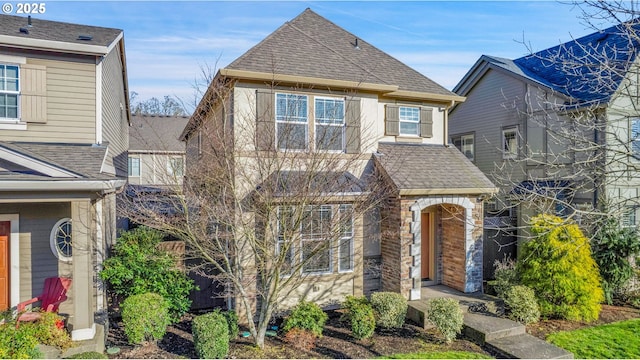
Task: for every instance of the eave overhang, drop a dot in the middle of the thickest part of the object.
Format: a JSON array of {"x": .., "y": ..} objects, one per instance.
[
  {"x": 448, "y": 191},
  {"x": 51, "y": 45},
  {"x": 61, "y": 185}
]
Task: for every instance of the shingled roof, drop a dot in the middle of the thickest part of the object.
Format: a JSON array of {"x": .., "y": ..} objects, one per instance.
[
  {"x": 422, "y": 169},
  {"x": 57, "y": 31},
  {"x": 156, "y": 133},
  {"x": 312, "y": 46},
  {"x": 587, "y": 70}
]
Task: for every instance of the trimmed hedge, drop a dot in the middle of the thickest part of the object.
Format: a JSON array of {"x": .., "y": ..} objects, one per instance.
[
  {"x": 361, "y": 317},
  {"x": 390, "y": 309},
  {"x": 446, "y": 315},
  {"x": 306, "y": 316},
  {"x": 145, "y": 317},
  {"x": 211, "y": 335}
]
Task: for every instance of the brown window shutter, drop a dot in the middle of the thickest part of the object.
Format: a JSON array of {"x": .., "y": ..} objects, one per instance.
[
  {"x": 392, "y": 120},
  {"x": 426, "y": 122},
  {"x": 33, "y": 93},
  {"x": 265, "y": 121},
  {"x": 352, "y": 120}
]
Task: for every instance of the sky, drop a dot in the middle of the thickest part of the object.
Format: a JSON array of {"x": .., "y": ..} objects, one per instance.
[{"x": 168, "y": 42}]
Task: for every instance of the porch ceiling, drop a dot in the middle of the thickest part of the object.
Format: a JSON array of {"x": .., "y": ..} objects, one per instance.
[{"x": 419, "y": 169}]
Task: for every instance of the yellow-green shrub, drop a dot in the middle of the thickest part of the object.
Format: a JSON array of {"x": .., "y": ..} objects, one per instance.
[{"x": 557, "y": 264}]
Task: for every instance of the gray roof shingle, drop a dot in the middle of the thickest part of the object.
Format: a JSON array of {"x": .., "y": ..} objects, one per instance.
[
  {"x": 312, "y": 46},
  {"x": 57, "y": 31},
  {"x": 430, "y": 167},
  {"x": 84, "y": 160},
  {"x": 156, "y": 133}
]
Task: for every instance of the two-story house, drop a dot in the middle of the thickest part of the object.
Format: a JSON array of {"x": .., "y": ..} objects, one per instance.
[
  {"x": 313, "y": 92},
  {"x": 555, "y": 130},
  {"x": 64, "y": 123}
]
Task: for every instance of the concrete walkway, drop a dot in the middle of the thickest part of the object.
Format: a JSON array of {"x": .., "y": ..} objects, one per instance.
[{"x": 483, "y": 325}]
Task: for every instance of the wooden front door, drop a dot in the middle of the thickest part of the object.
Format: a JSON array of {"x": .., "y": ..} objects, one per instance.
[
  {"x": 427, "y": 246},
  {"x": 5, "y": 235}
]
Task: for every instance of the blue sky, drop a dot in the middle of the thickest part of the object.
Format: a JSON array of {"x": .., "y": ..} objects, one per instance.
[{"x": 168, "y": 41}]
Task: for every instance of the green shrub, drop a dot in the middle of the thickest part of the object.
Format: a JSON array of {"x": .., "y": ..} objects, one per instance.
[
  {"x": 446, "y": 315},
  {"x": 232, "y": 322},
  {"x": 88, "y": 355},
  {"x": 211, "y": 335},
  {"x": 505, "y": 275},
  {"x": 18, "y": 343},
  {"x": 306, "y": 316},
  {"x": 49, "y": 330},
  {"x": 522, "y": 304},
  {"x": 137, "y": 266},
  {"x": 558, "y": 266},
  {"x": 361, "y": 317},
  {"x": 390, "y": 309},
  {"x": 145, "y": 317},
  {"x": 612, "y": 246}
]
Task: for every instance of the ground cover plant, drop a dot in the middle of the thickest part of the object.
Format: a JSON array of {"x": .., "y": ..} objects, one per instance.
[{"x": 611, "y": 341}]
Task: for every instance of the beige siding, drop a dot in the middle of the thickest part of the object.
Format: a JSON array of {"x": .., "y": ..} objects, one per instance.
[
  {"x": 154, "y": 169},
  {"x": 70, "y": 107},
  {"x": 115, "y": 124}
]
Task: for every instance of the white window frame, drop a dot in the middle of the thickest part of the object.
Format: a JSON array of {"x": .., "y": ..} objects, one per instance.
[
  {"x": 508, "y": 153},
  {"x": 402, "y": 118},
  {"x": 634, "y": 138},
  {"x": 12, "y": 92},
  {"x": 53, "y": 240},
  {"x": 313, "y": 237},
  {"x": 287, "y": 119},
  {"x": 129, "y": 167},
  {"x": 329, "y": 122},
  {"x": 629, "y": 217},
  {"x": 346, "y": 236},
  {"x": 171, "y": 166}
]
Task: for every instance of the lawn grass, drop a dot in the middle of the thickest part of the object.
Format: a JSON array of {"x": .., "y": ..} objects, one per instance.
[
  {"x": 439, "y": 355},
  {"x": 611, "y": 341}
]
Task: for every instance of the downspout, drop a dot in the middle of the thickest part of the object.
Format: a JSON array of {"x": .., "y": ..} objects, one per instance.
[{"x": 445, "y": 128}]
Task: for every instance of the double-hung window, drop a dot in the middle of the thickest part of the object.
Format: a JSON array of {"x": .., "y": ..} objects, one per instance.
[
  {"x": 134, "y": 166},
  {"x": 316, "y": 237},
  {"x": 9, "y": 91},
  {"x": 292, "y": 122},
  {"x": 330, "y": 126},
  {"x": 634, "y": 137},
  {"x": 175, "y": 166},
  {"x": 409, "y": 121},
  {"x": 345, "y": 262},
  {"x": 286, "y": 224},
  {"x": 510, "y": 143},
  {"x": 465, "y": 143}
]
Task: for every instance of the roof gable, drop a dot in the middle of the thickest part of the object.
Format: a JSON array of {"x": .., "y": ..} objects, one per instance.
[{"x": 312, "y": 46}]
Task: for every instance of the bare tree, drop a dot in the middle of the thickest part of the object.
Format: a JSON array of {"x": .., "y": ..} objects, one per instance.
[
  {"x": 168, "y": 106},
  {"x": 267, "y": 206}
]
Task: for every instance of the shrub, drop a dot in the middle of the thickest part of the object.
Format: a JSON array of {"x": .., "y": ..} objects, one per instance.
[
  {"x": 558, "y": 266},
  {"x": 361, "y": 317},
  {"x": 211, "y": 336},
  {"x": 505, "y": 276},
  {"x": 145, "y": 317},
  {"x": 306, "y": 316},
  {"x": 446, "y": 315},
  {"x": 232, "y": 322},
  {"x": 49, "y": 330},
  {"x": 18, "y": 343},
  {"x": 612, "y": 247},
  {"x": 300, "y": 339},
  {"x": 88, "y": 355},
  {"x": 522, "y": 304},
  {"x": 138, "y": 266},
  {"x": 389, "y": 308}
]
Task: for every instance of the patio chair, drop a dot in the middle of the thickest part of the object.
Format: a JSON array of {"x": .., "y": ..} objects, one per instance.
[{"x": 53, "y": 294}]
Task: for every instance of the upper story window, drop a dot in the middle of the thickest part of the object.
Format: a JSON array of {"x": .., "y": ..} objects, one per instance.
[
  {"x": 292, "y": 121},
  {"x": 330, "y": 126},
  {"x": 134, "y": 166},
  {"x": 409, "y": 121},
  {"x": 465, "y": 143},
  {"x": 9, "y": 91},
  {"x": 175, "y": 166},
  {"x": 510, "y": 143},
  {"x": 634, "y": 136}
]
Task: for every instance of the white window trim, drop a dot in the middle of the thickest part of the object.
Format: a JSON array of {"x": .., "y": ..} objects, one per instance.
[
  {"x": 343, "y": 125},
  {"x": 400, "y": 121},
  {"x": 171, "y": 168},
  {"x": 508, "y": 155},
  {"x": 53, "y": 242},
  {"x": 631, "y": 139},
  {"x": 306, "y": 123},
  {"x": 131, "y": 158},
  {"x": 329, "y": 246},
  {"x": 351, "y": 241},
  {"x": 630, "y": 211},
  {"x": 13, "y": 121}
]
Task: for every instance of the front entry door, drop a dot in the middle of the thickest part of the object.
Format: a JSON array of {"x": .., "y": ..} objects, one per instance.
[
  {"x": 5, "y": 235},
  {"x": 427, "y": 249}
]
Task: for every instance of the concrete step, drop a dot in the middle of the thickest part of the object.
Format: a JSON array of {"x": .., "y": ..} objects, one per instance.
[
  {"x": 526, "y": 346},
  {"x": 483, "y": 328}
]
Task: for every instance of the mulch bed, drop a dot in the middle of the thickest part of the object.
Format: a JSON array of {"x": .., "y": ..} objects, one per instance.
[{"x": 336, "y": 343}]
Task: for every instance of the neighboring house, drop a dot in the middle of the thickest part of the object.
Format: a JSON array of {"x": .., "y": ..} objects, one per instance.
[
  {"x": 64, "y": 130},
  {"x": 391, "y": 118},
  {"x": 524, "y": 123},
  {"x": 156, "y": 155}
]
